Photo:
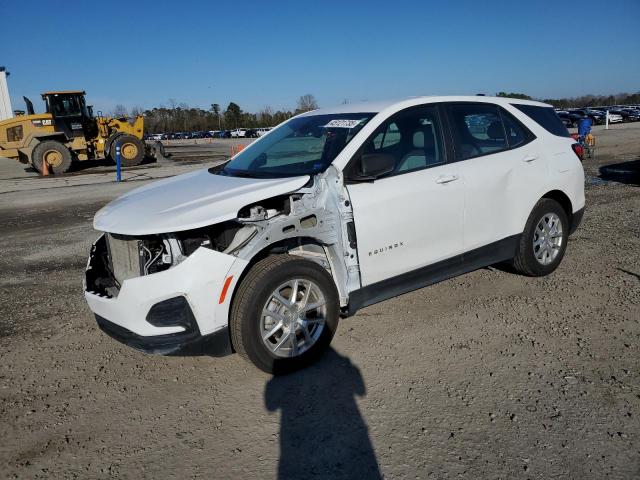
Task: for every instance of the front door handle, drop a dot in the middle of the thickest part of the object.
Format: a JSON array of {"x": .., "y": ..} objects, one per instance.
[
  {"x": 530, "y": 158},
  {"x": 446, "y": 179}
]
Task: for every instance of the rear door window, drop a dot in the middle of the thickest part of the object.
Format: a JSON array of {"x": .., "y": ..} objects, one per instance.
[
  {"x": 517, "y": 134},
  {"x": 546, "y": 117},
  {"x": 477, "y": 129}
]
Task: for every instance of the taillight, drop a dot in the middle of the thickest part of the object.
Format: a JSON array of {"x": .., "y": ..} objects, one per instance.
[{"x": 578, "y": 150}]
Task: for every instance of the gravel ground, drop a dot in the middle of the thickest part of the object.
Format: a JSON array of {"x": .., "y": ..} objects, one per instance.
[{"x": 489, "y": 375}]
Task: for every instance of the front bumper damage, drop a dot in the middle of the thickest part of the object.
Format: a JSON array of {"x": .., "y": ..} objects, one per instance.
[
  {"x": 217, "y": 344},
  {"x": 172, "y": 311}
]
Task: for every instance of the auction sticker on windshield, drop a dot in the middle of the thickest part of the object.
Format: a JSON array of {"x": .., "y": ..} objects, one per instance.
[{"x": 342, "y": 123}]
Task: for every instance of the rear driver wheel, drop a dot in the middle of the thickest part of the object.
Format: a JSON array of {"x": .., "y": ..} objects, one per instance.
[
  {"x": 55, "y": 154},
  {"x": 544, "y": 240}
]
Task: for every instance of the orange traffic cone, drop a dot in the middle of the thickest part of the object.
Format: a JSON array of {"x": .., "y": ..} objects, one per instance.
[{"x": 45, "y": 168}]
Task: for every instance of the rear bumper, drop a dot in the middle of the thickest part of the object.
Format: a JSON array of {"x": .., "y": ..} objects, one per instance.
[
  {"x": 217, "y": 344},
  {"x": 576, "y": 220}
]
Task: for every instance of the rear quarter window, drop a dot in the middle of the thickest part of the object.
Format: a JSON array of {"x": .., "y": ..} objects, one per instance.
[{"x": 546, "y": 117}]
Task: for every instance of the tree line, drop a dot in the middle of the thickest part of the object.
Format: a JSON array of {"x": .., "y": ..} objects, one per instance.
[
  {"x": 583, "y": 101},
  {"x": 179, "y": 117}
]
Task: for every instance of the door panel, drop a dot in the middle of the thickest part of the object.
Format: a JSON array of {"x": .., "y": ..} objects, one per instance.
[
  {"x": 498, "y": 189},
  {"x": 501, "y": 166},
  {"x": 407, "y": 221}
]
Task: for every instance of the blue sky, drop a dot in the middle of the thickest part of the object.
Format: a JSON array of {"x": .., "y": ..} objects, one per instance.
[{"x": 259, "y": 53}]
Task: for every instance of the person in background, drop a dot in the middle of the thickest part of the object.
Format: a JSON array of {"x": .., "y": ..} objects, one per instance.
[{"x": 584, "y": 128}]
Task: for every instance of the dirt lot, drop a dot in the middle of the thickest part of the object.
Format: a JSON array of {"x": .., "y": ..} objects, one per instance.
[{"x": 489, "y": 375}]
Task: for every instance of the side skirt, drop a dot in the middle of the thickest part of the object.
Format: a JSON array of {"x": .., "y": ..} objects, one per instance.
[{"x": 495, "y": 252}]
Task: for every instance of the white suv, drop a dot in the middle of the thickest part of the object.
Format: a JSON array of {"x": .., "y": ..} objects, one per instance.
[
  {"x": 239, "y": 133},
  {"x": 334, "y": 210}
]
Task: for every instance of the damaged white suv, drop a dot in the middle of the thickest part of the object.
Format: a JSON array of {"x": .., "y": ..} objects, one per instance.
[{"x": 333, "y": 210}]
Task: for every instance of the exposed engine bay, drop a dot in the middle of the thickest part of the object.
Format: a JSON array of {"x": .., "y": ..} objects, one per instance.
[{"x": 315, "y": 222}]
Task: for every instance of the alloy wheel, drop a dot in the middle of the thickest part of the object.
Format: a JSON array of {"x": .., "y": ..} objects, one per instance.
[
  {"x": 293, "y": 318},
  {"x": 547, "y": 238}
]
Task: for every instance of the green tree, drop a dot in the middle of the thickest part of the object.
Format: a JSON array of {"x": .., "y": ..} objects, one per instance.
[
  {"x": 215, "y": 108},
  {"x": 521, "y": 96},
  {"x": 233, "y": 115}
]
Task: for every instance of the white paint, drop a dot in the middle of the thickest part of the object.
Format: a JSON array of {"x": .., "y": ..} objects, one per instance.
[
  {"x": 412, "y": 220},
  {"x": 419, "y": 218},
  {"x": 5, "y": 101},
  {"x": 498, "y": 190},
  {"x": 199, "y": 278},
  {"x": 188, "y": 201}
]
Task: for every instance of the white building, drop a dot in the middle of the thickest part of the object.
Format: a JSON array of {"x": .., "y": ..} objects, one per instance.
[{"x": 5, "y": 101}]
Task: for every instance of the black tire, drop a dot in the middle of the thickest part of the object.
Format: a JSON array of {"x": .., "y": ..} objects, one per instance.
[
  {"x": 59, "y": 157},
  {"x": 132, "y": 150},
  {"x": 251, "y": 297},
  {"x": 525, "y": 261}
]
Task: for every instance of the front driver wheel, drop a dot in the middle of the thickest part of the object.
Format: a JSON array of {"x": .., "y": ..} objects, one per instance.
[
  {"x": 132, "y": 150},
  {"x": 284, "y": 314},
  {"x": 543, "y": 241}
]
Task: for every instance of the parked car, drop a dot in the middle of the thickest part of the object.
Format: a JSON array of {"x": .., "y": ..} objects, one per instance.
[
  {"x": 224, "y": 134},
  {"x": 158, "y": 136},
  {"x": 570, "y": 119},
  {"x": 613, "y": 117},
  {"x": 263, "y": 131},
  {"x": 251, "y": 133},
  {"x": 566, "y": 119},
  {"x": 633, "y": 110},
  {"x": 334, "y": 210},
  {"x": 597, "y": 117},
  {"x": 238, "y": 133},
  {"x": 626, "y": 114}
]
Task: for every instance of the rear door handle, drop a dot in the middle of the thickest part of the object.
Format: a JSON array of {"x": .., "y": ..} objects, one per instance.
[
  {"x": 530, "y": 158},
  {"x": 446, "y": 179}
]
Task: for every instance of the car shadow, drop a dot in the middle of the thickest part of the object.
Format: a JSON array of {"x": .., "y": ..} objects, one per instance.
[
  {"x": 322, "y": 434},
  {"x": 636, "y": 275},
  {"x": 624, "y": 172}
]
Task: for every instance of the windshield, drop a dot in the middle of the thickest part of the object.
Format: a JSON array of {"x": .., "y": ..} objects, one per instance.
[{"x": 302, "y": 146}]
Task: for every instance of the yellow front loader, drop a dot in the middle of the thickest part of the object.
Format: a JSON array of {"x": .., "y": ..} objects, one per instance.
[{"x": 69, "y": 132}]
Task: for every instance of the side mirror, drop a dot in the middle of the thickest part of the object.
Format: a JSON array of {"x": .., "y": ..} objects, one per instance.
[{"x": 374, "y": 165}]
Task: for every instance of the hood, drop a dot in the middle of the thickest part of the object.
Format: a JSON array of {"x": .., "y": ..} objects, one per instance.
[{"x": 188, "y": 201}]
